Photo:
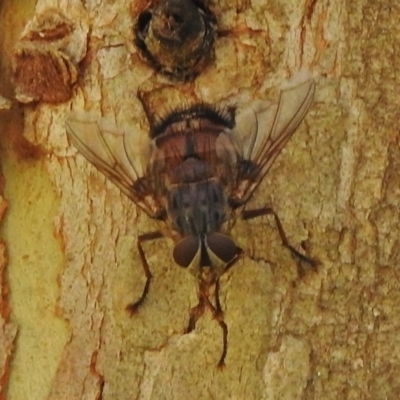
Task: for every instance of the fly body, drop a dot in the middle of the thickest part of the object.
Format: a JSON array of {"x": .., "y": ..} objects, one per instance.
[
  {"x": 190, "y": 160},
  {"x": 195, "y": 172}
]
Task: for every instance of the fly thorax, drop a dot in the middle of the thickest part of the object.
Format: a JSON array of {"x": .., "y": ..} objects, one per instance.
[{"x": 197, "y": 208}]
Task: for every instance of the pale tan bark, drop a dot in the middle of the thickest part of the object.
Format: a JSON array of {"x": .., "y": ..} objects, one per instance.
[
  {"x": 71, "y": 236},
  {"x": 8, "y": 330}
]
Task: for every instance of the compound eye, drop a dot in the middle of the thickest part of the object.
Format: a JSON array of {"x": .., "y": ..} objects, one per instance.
[
  {"x": 185, "y": 251},
  {"x": 222, "y": 246}
]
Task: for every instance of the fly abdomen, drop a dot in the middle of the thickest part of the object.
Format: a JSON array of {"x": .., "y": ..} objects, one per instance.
[{"x": 191, "y": 170}]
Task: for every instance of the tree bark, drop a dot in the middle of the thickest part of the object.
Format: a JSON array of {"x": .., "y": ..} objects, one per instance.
[{"x": 71, "y": 236}]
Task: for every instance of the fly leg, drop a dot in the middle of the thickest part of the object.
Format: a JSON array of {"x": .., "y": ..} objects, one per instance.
[
  {"x": 204, "y": 301},
  {"x": 234, "y": 260},
  {"x": 133, "y": 307},
  {"x": 197, "y": 311},
  {"x": 218, "y": 314},
  {"x": 250, "y": 214},
  {"x": 219, "y": 317}
]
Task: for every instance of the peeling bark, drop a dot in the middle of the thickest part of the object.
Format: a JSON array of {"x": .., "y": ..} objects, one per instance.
[{"x": 8, "y": 330}]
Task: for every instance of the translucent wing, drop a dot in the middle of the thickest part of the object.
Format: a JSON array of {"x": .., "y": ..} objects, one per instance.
[
  {"x": 262, "y": 130},
  {"x": 120, "y": 155}
]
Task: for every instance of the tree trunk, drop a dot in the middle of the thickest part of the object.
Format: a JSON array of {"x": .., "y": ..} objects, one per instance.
[{"x": 71, "y": 236}]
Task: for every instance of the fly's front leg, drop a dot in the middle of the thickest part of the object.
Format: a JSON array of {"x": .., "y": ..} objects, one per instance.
[
  {"x": 250, "y": 214},
  {"x": 204, "y": 301},
  {"x": 227, "y": 267},
  {"x": 133, "y": 307},
  {"x": 218, "y": 309},
  {"x": 217, "y": 312},
  {"x": 219, "y": 316},
  {"x": 196, "y": 312}
]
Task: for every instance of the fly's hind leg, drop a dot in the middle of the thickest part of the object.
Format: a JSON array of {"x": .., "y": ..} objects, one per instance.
[
  {"x": 250, "y": 214},
  {"x": 133, "y": 307}
]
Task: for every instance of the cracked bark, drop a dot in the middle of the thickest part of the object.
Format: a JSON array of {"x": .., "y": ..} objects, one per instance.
[{"x": 71, "y": 235}]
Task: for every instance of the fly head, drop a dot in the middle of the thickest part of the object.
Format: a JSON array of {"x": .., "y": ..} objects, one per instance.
[{"x": 206, "y": 257}]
